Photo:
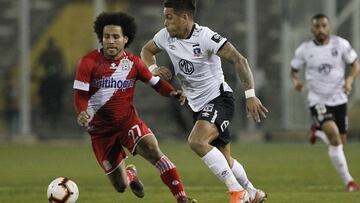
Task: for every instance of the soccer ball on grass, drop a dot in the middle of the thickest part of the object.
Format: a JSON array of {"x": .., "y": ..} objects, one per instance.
[{"x": 62, "y": 190}]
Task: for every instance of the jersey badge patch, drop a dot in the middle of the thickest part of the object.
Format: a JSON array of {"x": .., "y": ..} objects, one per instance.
[
  {"x": 197, "y": 50},
  {"x": 216, "y": 38},
  {"x": 334, "y": 52},
  {"x": 125, "y": 64}
]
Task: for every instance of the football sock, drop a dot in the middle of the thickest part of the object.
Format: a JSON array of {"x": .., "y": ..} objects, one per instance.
[
  {"x": 170, "y": 177},
  {"x": 337, "y": 157},
  {"x": 217, "y": 163},
  {"x": 320, "y": 134},
  {"x": 240, "y": 175}
]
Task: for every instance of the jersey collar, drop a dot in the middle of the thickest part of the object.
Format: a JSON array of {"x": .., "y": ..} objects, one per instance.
[{"x": 192, "y": 30}]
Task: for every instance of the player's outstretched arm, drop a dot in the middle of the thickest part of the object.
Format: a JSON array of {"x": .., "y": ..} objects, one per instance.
[
  {"x": 355, "y": 69},
  {"x": 167, "y": 90},
  {"x": 148, "y": 52},
  {"x": 254, "y": 106}
]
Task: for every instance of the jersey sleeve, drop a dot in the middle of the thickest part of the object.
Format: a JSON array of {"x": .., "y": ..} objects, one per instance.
[
  {"x": 143, "y": 72},
  {"x": 213, "y": 41},
  {"x": 349, "y": 54},
  {"x": 298, "y": 61},
  {"x": 83, "y": 75},
  {"x": 160, "y": 38}
]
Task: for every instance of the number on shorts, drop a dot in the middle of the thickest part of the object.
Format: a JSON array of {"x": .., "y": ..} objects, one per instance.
[
  {"x": 321, "y": 110},
  {"x": 135, "y": 133}
]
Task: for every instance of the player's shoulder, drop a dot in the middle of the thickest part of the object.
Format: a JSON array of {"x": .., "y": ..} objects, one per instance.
[
  {"x": 305, "y": 45},
  {"x": 90, "y": 58},
  {"x": 339, "y": 41},
  {"x": 162, "y": 33},
  {"x": 92, "y": 55},
  {"x": 202, "y": 30}
]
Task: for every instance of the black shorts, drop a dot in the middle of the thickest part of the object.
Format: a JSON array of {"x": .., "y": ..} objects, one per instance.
[
  {"x": 321, "y": 113},
  {"x": 219, "y": 111}
]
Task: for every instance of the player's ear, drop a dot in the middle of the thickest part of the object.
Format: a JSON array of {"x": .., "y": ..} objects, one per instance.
[{"x": 126, "y": 39}]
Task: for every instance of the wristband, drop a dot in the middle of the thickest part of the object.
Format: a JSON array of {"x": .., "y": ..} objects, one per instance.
[
  {"x": 153, "y": 67},
  {"x": 249, "y": 93}
]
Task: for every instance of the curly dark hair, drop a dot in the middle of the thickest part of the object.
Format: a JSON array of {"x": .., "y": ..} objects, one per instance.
[{"x": 125, "y": 21}]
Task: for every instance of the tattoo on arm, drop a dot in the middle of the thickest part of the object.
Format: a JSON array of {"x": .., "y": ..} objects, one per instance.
[{"x": 229, "y": 53}]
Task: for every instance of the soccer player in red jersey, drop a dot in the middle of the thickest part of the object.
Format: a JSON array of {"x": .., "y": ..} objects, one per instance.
[{"x": 104, "y": 91}]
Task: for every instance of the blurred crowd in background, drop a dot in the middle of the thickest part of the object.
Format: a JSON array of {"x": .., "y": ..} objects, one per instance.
[{"x": 265, "y": 31}]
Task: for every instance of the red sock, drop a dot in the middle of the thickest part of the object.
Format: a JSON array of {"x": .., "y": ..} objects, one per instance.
[{"x": 170, "y": 176}]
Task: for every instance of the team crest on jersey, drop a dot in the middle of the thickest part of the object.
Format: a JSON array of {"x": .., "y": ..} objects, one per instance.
[
  {"x": 125, "y": 64},
  {"x": 186, "y": 67},
  {"x": 197, "y": 50},
  {"x": 216, "y": 38},
  {"x": 334, "y": 51}
]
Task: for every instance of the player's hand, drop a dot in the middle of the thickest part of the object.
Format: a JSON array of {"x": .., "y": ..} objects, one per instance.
[
  {"x": 255, "y": 109},
  {"x": 180, "y": 95},
  {"x": 163, "y": 72},
  {"x": 348, "y": 86},
  {"x": 83, "y": 119},
  {"x": 299, "y": 85}
]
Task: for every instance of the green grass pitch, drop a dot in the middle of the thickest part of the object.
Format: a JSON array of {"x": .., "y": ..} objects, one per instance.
[{"x": 288, "y": 172}]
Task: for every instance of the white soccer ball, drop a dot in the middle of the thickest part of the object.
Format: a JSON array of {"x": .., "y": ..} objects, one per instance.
[{"x": 62, "y": 190}]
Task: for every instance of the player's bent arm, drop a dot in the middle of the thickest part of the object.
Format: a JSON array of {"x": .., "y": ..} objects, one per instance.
[
  {"x": 148, "y": 52},
  {"x": 298, "y": 84},
  {"x": 355, "y": 69},
  {"x": 81, "y": 103},
  {"x": 80, "y": 100},
  {"x": 254, "y": 106},
  {"x": 229, "y": 53},
  {"x": 166, "y": 89},
  {"x": 161, "y": 86}
]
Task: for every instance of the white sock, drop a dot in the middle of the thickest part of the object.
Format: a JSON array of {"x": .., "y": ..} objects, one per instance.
[
  {"x": 240, "y": 175},
  {"x": 217, "y": 163},
  {"x": 320, "y": 134},
  {"x": 337, "y": 157}
]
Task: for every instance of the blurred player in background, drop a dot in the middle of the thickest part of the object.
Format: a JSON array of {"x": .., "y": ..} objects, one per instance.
[
  {"x": 325, "y": 58},
  {"x": 104, "y": 90},
  {"x": 195, "y": 52}
]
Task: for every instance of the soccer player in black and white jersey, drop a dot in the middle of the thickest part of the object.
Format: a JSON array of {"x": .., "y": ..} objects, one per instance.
[
  {"x": 196, "y": 52},
  {"x": 324, "y": 59}
]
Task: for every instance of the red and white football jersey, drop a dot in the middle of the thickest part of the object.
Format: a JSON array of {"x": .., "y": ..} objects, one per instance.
[{"x": 111, "y": 86}]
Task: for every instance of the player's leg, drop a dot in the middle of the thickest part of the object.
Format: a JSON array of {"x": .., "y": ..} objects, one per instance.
[
  {"x": 340, "y": 114},
  {"x": 208, "y": 131},
  {"x": 332, "y": 120},
  {"x": 149, "y": 149},
  {"x": 202, "y": 134},
  {"x": 256, "y": 195},
  {"x": 315, "y": 133},
  {"x": 111, "y": 157},
  {"x": 143, "y": 142},
  {"x": 118, "y": 178}
]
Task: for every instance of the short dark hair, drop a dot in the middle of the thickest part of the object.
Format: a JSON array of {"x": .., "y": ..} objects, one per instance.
[
  {"x": 188, "y": 6},
  {"x": 125, "y": 21},
  {"x": 319, "y": 15}
]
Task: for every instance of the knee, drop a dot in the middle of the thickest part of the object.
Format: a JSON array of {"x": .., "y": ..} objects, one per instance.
[
  {"x": 335, "y": 139},
  {"x": 153, "y": 154},
  {"x": 196, "y": 144}
]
